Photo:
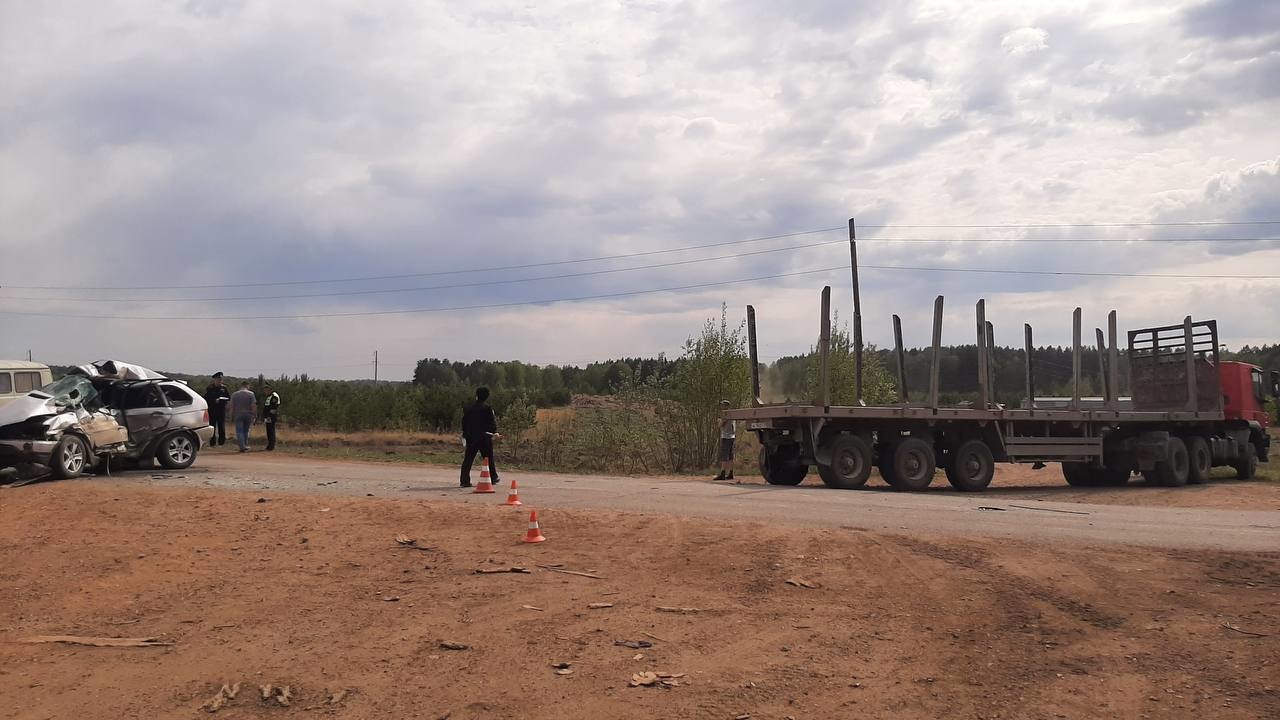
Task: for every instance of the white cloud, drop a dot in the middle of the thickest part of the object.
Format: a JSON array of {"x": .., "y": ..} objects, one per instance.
[{"x": 252, "y": 142}]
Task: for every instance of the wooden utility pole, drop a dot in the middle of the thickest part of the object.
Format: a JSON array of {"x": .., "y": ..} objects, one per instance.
[
  {"x": 857, "y": 315},
  {"x": 375, "y": 367}
]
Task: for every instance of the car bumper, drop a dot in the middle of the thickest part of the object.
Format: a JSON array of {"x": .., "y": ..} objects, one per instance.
[
  {"x": 205, "y": 434},
  {"x": 32, "y": 451}
]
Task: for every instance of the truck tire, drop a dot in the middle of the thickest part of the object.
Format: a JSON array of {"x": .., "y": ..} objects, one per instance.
[
  {"x": 971, "y": 466},
  {"x": 1077, "y": 474},
  {"x": 1200, "y": 460},
  {"x": 1111, "y": 476},
  {"x": 1174, "y": 471},
  {"x": 850, "y": 463},
  {"x": 1247, "y": 465},
  {"x": 913, "y": 464},
  {"x": 884, "y": 463},
  {"x": 69, "y": 458},
  {"x": 778, "y": 470}
]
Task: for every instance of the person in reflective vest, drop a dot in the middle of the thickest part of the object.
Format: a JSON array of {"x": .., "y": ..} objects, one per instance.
[{"x": 270, "y": 414}]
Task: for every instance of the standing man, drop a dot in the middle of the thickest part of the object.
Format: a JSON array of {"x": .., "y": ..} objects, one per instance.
[
  {"x": 216, "y": 396},
  {"x": 728, "y": 437},
  {"x": 479, "y": 428},
  {"x": 244, "y": 411},
  {"x": 271, "y": 415}
]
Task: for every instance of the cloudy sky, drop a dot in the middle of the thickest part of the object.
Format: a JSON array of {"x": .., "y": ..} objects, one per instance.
[{"x": 355, "y": 170}]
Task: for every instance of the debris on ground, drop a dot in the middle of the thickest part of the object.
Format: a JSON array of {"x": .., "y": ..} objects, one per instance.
[
  {"x": 562, "y": 668},
  {"x": 579, "y": 573},
  {"x": 660, "y": 679},
  {"x": 801, "y": 582},
  {"x": 664, "y": 608},
  {"x": 98, "y": 641},
  {"x": 225, "y": 694},
  {"x": 446, "y": 645},
  {"x": 599, "y": 605},
  {"x": 500, "y": 570},
  {"x": 634, "y": 644},
  {"x": 405, "y": 539},
  {"x": 531, "y": 607}
]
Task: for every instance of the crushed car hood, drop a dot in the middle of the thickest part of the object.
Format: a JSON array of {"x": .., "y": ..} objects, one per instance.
[{"x": 26, "y": 407}]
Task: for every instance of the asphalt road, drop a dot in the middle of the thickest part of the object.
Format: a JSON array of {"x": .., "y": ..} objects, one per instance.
[{"x": 927, "y": 514}]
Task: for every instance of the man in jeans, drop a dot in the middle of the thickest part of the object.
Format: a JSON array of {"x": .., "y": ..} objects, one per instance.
[
  {"x": 479, "y": 428},
  {"x": 244, "y": 410}
]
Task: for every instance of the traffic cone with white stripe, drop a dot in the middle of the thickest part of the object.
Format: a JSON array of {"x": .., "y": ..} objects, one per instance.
[
  {"x": 513, "y": 495},
  {"x": 534, "y": 535},
  {"x": 484, "y": 486}
]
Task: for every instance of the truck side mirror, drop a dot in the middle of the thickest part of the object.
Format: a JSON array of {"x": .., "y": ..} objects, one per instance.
[{"x": 1275, "y": 384}]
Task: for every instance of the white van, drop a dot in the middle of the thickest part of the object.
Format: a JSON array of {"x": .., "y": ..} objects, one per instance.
[{"x": 18, "y": 377}]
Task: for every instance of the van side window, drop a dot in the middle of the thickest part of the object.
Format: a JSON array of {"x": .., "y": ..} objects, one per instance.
[
  {"x": 25, "y": 382},
  {"x": 6, "y": 383}
]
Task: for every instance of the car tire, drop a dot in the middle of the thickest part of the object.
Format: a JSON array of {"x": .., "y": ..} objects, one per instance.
[
  {"x": 70, "y": 457},
  {"x": 177, "y": 451}
]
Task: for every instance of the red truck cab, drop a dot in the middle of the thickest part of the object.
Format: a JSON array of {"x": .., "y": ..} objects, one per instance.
[{"x": 1244, "y": 393}]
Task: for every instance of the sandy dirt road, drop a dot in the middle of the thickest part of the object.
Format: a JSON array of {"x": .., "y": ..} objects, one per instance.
[
  {"x": 312, "y": 591},
  {"x": 1028, "y": 512}
]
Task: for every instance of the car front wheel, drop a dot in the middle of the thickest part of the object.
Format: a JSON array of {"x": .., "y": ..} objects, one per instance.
[
  {"x": 70, "y": 456},
  {"x": 177, "y": 452}
]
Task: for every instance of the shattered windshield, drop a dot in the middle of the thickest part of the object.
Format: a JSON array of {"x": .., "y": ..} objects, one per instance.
[{"x": 70, "y": 390}]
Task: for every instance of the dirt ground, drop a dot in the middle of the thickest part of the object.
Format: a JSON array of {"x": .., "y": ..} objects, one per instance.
[{"x": 314, "y": 593}]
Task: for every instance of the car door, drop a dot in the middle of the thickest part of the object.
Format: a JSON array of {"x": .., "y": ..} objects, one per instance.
[{"x": 146, "y": 412}]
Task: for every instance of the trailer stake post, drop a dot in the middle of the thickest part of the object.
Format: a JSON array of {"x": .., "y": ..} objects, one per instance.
[
  {"x": 983, "y": 378},
  {"x": 1113, "y": 363},
  {"x": 1075, "y": 360},
  {"x": 1103, "y": 378},
  {"x": 1192, "y": 404},
  {"x": 857, "y": 314},
  {"x": 824, "y": 351},
  {"x": 901, "y": 360},
  {"x": 755, "y": 358},
  {"x": 936, "y": 361},
  {"x": 991, "y": 363},
  {"x": 1031, "y": 386}
]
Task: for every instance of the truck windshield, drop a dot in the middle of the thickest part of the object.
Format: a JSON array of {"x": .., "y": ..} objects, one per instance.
[{"x": 69, "y": 391}]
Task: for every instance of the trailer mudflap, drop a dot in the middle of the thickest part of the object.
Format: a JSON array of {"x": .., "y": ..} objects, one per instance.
[{"x": 1152, "y": 447}]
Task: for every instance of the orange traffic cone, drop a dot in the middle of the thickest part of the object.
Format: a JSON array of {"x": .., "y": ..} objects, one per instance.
[
  {"x": 484, "y": 486},
  {"x": 535, "y": 533},
  {"x": 513, "y": 495}
]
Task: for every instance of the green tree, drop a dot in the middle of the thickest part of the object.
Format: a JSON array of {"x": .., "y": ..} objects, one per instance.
[
  {"x": 878, "y": 386},
  {"x": 519, "y": 417}
]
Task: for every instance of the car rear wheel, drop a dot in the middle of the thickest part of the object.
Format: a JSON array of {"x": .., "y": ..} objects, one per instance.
[
  {"x": 70, "y": 456},
  {"x": 177, "y": 451}
]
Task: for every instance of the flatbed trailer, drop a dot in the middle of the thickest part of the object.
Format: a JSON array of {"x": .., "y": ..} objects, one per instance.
[{"x": 1174, "y": 429}]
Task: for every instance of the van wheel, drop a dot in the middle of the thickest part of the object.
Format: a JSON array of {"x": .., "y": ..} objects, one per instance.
[
  {"x": 1201, "y": 460},
  {"x": 177, "y": 451},
  {"x": 913, "y": 464},
  {"x": 970, "y": 467},
  {"x": 1247, "y": 465},
  {"x": 70, "y": 457}
]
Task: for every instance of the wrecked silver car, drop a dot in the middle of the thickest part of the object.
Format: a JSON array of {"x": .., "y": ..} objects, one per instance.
[{"x": 104, "y": 415}]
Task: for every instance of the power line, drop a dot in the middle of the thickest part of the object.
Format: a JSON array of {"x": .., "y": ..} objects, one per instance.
[
  {"x": 1204, "y": 223},
  {"x": 711, "y": 245},
  {"x": 487, "y": 306},
  {"x": 996, "y": 271}
]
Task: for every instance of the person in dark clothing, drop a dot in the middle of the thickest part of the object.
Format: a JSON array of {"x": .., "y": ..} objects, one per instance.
[
  {"x": 479, "y": 428},
  {"x": 217, "y": 397}
]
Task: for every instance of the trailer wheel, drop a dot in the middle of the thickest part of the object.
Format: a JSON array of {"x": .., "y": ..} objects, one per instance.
[
  {"x": 1174, "y": 471},
  {"x": 1077, "y": 474},
  {"x": 970, "y": 467},
  {"x": 1200, "y": 460},
  {"x": 913, "y": 464},
  {"x": 780, "y": 470},
  {"x": 1111, "y": 476},
  {"x": 1247, "y": 465},
  {"x": 884, "y": 463},
  {"x": 850, "y": 463}
]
